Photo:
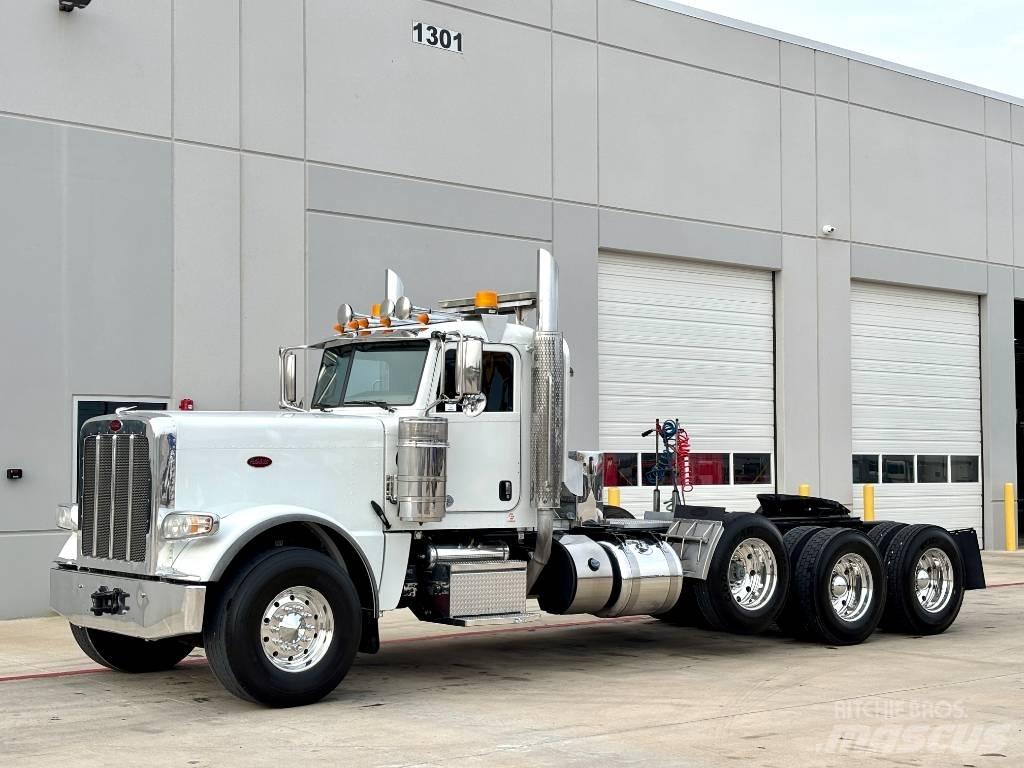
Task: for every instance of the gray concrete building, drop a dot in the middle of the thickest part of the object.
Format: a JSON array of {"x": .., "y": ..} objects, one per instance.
[{"x": 811, "y": 258}]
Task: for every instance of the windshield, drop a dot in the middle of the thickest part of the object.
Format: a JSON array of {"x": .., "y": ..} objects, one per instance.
[{"x": 353, "y": 374}]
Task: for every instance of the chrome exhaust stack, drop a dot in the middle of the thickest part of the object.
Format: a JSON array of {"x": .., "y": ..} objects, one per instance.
[{"x": 547, "y": 424}]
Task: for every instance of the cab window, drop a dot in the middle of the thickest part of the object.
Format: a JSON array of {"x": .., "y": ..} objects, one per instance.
[{"x": 498, "y": 380}]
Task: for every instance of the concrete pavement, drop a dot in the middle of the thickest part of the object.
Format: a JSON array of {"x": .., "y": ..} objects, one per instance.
[{"x": 565, "y": 692}]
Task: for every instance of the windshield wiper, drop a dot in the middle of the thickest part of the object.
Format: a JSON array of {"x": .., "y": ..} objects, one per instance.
[{"x": 378, "y": 403}]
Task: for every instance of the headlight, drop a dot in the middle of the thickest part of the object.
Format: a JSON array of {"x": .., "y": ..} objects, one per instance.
[
  {"x": 185, "y": 525},
  {"x": 67, "y": 517}
]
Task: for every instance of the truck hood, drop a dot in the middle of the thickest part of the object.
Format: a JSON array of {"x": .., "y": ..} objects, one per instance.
[{"x": 225, "y": 461}]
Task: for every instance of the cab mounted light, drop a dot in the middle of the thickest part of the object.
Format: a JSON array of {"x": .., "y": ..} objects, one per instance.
[
  {"x": 67, "y": 517},
  {"x": 187, "y": 525},
  {"x": 486, "y": 300}
]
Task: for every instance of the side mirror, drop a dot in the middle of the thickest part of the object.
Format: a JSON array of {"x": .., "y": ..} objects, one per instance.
[
  {"x": 469, "y": 367},
  {"x": 288, "y": 386}
]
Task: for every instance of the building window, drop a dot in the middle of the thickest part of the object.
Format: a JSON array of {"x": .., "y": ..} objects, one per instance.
[
  {"x": 709, "y": 468},
  {"x": 932, "y": 469},
  {"x": 751, "y": 468},
  {"x": 964, "y": 469},
  {"x": 619, "y": 470},
  {"x": 865, "y": 468},
  {"x": 898, "y": 469}
]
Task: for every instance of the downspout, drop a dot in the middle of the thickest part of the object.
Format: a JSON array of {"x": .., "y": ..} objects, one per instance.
[{"x": 547, "y": 423}]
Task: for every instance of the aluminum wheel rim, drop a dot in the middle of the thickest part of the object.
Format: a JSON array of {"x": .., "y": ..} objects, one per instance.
[
  {"x": 933, "y": 580},
  {"x": 851, "y": 587},
  {"x": 296, "y": 629},
  {"x": 753, "y": 574}
]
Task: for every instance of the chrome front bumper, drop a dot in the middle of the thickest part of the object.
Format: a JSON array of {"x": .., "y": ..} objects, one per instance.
[{"x": 151, "y": 609}]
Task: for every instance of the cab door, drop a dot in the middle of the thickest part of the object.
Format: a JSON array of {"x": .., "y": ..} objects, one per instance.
[{"x": 484, "y": 472}]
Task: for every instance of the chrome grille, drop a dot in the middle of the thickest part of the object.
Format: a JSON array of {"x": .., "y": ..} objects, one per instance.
[{"x": 115, "y": 506}]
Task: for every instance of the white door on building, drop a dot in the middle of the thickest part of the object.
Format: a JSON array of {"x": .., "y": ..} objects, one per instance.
[
  {"x": 916, "y": 387},
  {"x": 694, "y": 342}
]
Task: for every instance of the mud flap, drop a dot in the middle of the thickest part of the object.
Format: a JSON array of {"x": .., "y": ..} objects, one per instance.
[{"x": 974, "y": 572}]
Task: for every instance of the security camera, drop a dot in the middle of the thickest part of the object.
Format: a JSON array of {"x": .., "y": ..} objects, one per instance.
[
  {"x": 828, "y": 229},
  {"x": 69, "y": 5}
]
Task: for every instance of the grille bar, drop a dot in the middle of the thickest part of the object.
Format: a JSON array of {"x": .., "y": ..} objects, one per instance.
[{"x": 115, "y": 505}]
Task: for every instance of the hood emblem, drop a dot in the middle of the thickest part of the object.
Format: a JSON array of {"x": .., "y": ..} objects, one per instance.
[{"x": 259, "y": 461}]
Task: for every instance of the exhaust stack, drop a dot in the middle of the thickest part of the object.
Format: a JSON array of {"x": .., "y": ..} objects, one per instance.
[{"x": 547, "y": 425}]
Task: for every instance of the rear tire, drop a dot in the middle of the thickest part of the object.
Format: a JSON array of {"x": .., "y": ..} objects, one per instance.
[
  {"x": 924, "y": 581},
  {"x": 883, "y": 533},
  {"x": 790, "y": 620},
  {"x": 285, "y": 629},
  {"x": 130, "y": 654},
  {"x": 748, "y": 576},
  {"x": 839, "y": 588}
]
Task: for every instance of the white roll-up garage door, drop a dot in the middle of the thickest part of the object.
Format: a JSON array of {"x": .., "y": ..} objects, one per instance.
[
  {"x": 694, "y": 342},
  {"x": 916, "y": 386}
]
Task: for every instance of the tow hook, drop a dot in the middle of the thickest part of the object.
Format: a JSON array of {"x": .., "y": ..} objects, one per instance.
[{"x": 112, "y": 601}]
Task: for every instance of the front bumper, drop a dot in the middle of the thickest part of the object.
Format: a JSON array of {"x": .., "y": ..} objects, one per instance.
[{"x": 147, "y": 609}]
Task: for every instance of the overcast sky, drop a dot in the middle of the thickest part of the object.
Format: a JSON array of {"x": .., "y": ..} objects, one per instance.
[{"x": 977, "y": 41}]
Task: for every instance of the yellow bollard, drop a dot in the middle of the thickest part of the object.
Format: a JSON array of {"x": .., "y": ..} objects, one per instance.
[
  {"x": 1010, "y": 517},
  {"x": 805, "y": 489},
  {"x": 613, "y": 497},
  {"x": 869, "y": 503}
]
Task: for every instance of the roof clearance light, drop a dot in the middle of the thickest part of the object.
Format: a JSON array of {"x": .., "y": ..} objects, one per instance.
[
  {"x": 486, "y": 300},
  {"x": 423, "y": 318},
  {"x": 338, "y": 328},
  {"x": 386, "y": 322},
  {"x": 363, "y": 322},
  {"x": 375, "y": 310}
]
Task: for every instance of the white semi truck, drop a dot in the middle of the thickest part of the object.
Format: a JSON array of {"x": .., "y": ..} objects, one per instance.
[{"x": 431, "y": 473}]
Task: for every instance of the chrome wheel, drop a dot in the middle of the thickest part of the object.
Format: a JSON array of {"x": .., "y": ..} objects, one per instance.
[
  {"x": 753, "y": 574},
  {"x": 934, "y": 580},
  {"x": 297, "y": 628},
  {"x": 851, "y": 587}
]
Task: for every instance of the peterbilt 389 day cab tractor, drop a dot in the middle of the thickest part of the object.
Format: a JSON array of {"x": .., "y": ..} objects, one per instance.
[{"x": 431, "y": 473}]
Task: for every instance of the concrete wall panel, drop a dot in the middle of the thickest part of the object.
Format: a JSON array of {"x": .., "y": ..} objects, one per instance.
[
  {"x": 833, "y": 144},
  {"x": 379, "y": 196},
  {"x": 110, "y": 66},
  {"x": 26, "y": 561},
  {"x": 832, "y": 75},
  {"x": 273, "y": 89},
  {"x": 34, "y": 401},
  {"x": 535, "y": 12},
  {"x": 656, "y": 235},
  {"x": 997, "y": 119},
  {"x": 799, "y": 174},
  {"x": 575, "y": 17},
  {"x": 835, "y": 414},
  {"x": 206, "y": 276},
  {"x": 273, "y": 273},
  {"x": 1017, "y": 160},
  {"x": 655, "y": 115},
  {"x": 118, "y": 249},
  {"x": 375, "y": 102},
  {"x": 916, "y": 186},
  {"x": 206, "y": 60},
  {"x": 676, "y": 36},
  {"x": 796, "y": 366},
  {"x": 574, "y": 134},
  {"x": 885, "y": 265},
  {"x": 915, "y": 97},
  {"x": 796, "y": 67},
  {"x": 999, "y": 201}
]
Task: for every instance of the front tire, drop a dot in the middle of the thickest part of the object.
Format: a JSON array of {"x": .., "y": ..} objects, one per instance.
[
  {"x": 130, "y": 654},
  {"x": 285, "y": 629},
  {"x": 747, "y": 579}
]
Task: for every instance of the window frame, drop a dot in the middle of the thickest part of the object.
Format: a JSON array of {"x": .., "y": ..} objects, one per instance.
[{"x": 730, "y": 469}]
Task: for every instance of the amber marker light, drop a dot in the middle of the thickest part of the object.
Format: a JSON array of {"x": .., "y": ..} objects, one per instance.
[
  {"x": 375, "y": 310},
  {"x": 363, "y": 322},
  {"x": 486, "y": 300},
  {"x": 338, "y": 328},
  {"x": 386, "y": 322},
  {"x": 423, "y": 318}
]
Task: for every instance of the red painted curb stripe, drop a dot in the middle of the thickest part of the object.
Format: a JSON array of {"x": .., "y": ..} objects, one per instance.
[
  {"x": 395, "y": 641},
  {"x": 1007, "y": 584}
]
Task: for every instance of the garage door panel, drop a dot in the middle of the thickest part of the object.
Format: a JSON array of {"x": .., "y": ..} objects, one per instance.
[
  {"x": 692, "y": 341},
  {"x": 916, "y": 390}
]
